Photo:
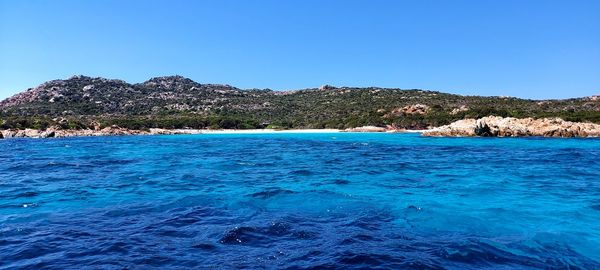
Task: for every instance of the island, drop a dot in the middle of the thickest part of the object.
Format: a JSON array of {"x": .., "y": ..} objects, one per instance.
[{"x": 87, "y": 106}]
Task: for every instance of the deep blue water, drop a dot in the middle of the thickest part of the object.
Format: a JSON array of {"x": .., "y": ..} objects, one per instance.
[{"x": 299, "y": 201}]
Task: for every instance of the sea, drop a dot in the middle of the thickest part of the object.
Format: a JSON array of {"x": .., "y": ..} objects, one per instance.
[{"x": 299, "y": 201}]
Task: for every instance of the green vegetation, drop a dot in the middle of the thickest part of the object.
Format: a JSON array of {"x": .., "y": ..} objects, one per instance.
[{"x": 177, "y": 102}]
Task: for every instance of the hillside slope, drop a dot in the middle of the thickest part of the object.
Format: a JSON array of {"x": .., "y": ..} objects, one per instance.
[{"x": 176, "y": 102}]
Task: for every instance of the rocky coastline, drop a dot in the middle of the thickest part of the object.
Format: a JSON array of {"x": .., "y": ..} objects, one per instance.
[
  {"x": 108, "y": 131},
  {"x": 56, "y": 132},
  {"x": 494, "y": 126},
  {"x": 490, "y": 126}
]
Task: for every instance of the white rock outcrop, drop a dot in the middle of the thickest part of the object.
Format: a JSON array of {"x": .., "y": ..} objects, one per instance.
[
  {"x": 366, "y": 129},
  {"x": 494, "y": 126}
]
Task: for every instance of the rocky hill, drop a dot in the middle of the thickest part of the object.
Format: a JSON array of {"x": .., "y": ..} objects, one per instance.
[{"x": 178, "y": 102}]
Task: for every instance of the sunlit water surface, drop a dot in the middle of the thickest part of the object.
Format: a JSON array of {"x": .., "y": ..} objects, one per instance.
[{"x": 299, "y": 201}]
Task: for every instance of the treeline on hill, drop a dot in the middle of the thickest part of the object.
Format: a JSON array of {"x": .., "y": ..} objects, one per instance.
[
  {"x": 238, "y": 121},
  {"x": 135, "y": 122}
]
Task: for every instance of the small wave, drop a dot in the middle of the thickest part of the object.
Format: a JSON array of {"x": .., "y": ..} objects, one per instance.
[
  {"x": 27, "y": 194},
  {"x": 413, "y": 207},
  {"x": 246, "y": 163},
  {"x": 205, "y": 246},
  {"x": 359, "y": 238},
  {"x": 271, "y": 193},
  {"x": 301, "y": 172},
  {"x": 248, "y": 235},
  {"x": 261, "y": 236},
  {"x": 366, "y": 259},
  {"x": 341, "y": 182},
  {"x": 371, "y": 222}
]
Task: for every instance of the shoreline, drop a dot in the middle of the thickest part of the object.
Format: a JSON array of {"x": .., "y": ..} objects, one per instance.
[
  {"x": 489, "y": 126},
  {"x": 117, "y": 131},
  {"x": 295, "y": 131},
  {"x": 266, "y": 131}
]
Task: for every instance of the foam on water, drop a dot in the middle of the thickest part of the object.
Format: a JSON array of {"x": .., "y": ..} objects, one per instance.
[{"x": 340, "y": 200}]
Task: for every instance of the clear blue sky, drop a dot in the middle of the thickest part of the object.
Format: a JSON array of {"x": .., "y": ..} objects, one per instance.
[{"x": 524, "y": 48}]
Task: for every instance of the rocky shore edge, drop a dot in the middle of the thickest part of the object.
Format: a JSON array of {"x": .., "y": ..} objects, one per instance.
[
  {"x": 490, "y": 126},
  {"x": 56, "y": 132},
  {"x": 108, "y": 131},
  {"x": 494, "y": 126}
]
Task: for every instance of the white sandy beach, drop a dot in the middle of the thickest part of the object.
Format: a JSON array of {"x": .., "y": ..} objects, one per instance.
[
  {"x": 113, "y": 131},
  {"x": 159, "y": 131},
  {"x": 266, "y": 131},
  {"x": 270, "y": 131}
]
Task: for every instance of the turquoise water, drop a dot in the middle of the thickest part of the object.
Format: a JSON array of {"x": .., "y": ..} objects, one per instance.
[{"x": 338, "y": 200}]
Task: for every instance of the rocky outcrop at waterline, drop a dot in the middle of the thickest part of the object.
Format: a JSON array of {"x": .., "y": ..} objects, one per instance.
[
  {"x": 26, "y": 133},
  {"x": 55, "y": 132},
  {"x": 493, "y": 126},
  {"x": 366, "y": 129}
]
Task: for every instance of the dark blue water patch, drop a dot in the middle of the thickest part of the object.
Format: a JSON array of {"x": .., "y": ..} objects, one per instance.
[
  {"x": 205, "y": 246},
  {"x": 341, "y": 182},
  {"x": 301, "y": 172},
  {"x": 353, "y": 259},
  {"x": 255, "y": 236},
  {"x": 271, "y": 192},
  {"x": 299, "y": 201},
  {"x": 371, "y": 222},
  {"x": 357, "y": 239},
  {"x": 19, "y": 193}
]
